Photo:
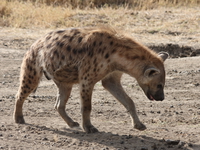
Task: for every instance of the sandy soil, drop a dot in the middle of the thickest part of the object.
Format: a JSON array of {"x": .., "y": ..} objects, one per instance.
[{"x": 171, "y": 124}]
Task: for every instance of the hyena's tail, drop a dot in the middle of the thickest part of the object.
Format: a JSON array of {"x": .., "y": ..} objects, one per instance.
[{"x": 30, "y": 75}]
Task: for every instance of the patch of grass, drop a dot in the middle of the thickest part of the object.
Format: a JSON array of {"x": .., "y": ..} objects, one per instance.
[{"x": 73, "y": 13}]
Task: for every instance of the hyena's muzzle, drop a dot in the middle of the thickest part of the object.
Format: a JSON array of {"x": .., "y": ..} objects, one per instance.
[{"x": 158, "y": 95}]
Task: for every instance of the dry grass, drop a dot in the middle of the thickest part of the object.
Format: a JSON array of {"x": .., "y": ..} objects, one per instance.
[{"x": 67, "y": 13}]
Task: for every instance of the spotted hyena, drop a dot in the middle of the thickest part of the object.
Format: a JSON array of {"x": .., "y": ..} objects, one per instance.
[{"x": 85, "y": 56}]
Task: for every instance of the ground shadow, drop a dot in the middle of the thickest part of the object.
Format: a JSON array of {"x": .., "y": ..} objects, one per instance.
[{"x": 116, "y": 141}]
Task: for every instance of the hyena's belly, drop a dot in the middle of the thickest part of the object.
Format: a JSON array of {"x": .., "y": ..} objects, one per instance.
[{"x": 65, "y": 74}]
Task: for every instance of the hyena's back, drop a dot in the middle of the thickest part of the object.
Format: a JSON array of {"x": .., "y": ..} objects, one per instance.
[{"x": 64, "y": 54}]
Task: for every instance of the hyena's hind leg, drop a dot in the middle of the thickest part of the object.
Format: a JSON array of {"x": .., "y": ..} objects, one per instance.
[
  {"x": 29, "y": 80},
  {"x": 64, "y": 91}
]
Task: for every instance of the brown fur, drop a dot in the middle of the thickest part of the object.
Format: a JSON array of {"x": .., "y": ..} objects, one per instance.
[{"x": 85, "y": 56}]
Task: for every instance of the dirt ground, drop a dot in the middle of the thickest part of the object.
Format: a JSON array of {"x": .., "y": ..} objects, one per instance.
[{"x": 171, "y": 124}]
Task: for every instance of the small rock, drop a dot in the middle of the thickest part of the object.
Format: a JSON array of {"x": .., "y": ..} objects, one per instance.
[
  {"x": 190, "y": 145},
  {"x": 172, "y": 142},
  {"x": 129, "y": 136},
  {"x": 158, "y": 112},
  {"x": 181, "y": 144},
  {"x": 154, "y": 146},
  {"x": 45, "y": 139}
]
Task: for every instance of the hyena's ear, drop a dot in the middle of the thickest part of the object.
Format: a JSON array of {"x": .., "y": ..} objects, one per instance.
[
  {"x": 163, "y": 55},
  {"x": 151, "y": 72}
]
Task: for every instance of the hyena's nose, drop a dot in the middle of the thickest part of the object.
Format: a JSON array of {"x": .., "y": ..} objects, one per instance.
[{"x": 159, "y": 98}]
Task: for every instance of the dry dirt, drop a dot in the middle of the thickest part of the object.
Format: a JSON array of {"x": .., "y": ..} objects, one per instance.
[{"x": 171, "y": 124}]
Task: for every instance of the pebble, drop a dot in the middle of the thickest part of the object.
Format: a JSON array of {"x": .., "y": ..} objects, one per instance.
[
  {"x": 172, "y": 142},
  {"x": 181, "y": 144},
  {"x": 44, "y": 139},
  {"x": 129, "y": 136}
]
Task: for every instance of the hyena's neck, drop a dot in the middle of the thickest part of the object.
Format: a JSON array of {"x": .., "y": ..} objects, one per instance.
[{"x": 133, "y": 58}]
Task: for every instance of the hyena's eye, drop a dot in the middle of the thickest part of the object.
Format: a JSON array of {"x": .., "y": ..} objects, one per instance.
[{"x": 159, "y": 86}]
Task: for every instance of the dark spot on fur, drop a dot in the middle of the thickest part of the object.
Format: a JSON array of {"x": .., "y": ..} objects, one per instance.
[
  {"x": 74, "y": 51},
  {"x": 71, "y": 38},
  {"x": 106, "y": 56},
  {"x": 30, "y": 77},
  {"x": 60, "y": 44},
  {"x": 68, "y": 48},
  {"x": 55, "y": 53},
  {"x": 48, "y": 46},
  {"x": 48, "y": 37},
  {"x": 26, "y": 86},
  {"x": 55, "y": 39},
  {"x": 132, "y": 57},
  {"x": 70, "y": 57},
  {"x": 80, "y": 39},
  {"x": 63, "y": 57},
  {"x": 101, "y": 34},
  {"x": 34, "y": 73},
  {"x": 113, "y": 51},
  {"x": 111, "y": 43},
  {"x": 90, "y": 53},
  {"x": 135, "y": 57},
  {"x": 30, "y": 68},
  {"x": 99, "y": 51},
  {"x": 94, "y": 43},
  {"x": 25, "y": 92},
  {"x": 142, "y": 58},
  {"x": 95, "y": 60},
  {"x": 60, "y": 31},
  {"x": 100, "y": 43},
  {"x": 86, "y": 108},
  {"x": 76, "y": 31},
  {"x": 80, "y": 51},
  {"x": 66, "y": 36},
  {"x": 29, "y": 81},
  {"x": 109, "y": 37}
]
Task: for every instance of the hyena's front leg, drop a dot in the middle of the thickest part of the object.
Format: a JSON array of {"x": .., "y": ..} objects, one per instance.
[
  {"x": 64, "y": 91},
  {"x": 86, "y": 107},
  {"x": 113, "y": 85}
]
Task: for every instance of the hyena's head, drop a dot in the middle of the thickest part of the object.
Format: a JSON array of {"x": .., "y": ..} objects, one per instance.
[{"x": 153, "y": 80}]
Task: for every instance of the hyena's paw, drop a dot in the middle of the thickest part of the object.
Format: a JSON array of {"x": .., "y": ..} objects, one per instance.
[
  {"x": 90, "y": 129},
  {"x": 74, "y": 125},
  {"x": 140, "y": 126},
  {"x": 19, "y": 119}
]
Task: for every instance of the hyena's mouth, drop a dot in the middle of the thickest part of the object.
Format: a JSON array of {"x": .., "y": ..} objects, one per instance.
[
  {"x": 159, "y": 97},
  {"x": 150, "y": 97}
]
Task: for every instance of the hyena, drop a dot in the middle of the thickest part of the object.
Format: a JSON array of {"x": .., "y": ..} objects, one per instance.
[{"x": 85, "y": 56}]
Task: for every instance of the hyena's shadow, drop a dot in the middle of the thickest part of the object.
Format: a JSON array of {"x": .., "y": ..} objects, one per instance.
[{"x": 105, "y": 140}]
